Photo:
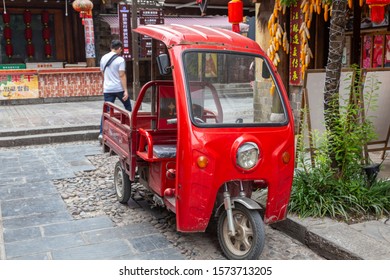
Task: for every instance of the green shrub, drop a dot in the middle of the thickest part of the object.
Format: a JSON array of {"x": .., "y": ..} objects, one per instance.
[{"x": 333, "y": 183}]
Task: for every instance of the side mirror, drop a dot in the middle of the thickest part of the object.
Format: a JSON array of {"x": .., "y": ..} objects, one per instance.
[
  {"x": 265, "y": 73},
  {"x": 163, "y": 64}
]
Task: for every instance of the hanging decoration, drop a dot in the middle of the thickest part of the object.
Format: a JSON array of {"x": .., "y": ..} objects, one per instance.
[
  {"x": 84, "y": 7},
  {"x": 27, "y": 17},
  {"x": 5, "y": 8},
  {"x": 7, "y": 33},
  {"x": 46, "y": 33},
  {"x": 300, "y": 31},
  {"x": 203, "y": 6},
  {"x": 377, "y": 9},
  {"x": 235, "y": 14}
]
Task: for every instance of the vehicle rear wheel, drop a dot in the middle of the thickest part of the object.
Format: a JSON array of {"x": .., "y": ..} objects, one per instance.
[
  {"x": 122, "y": 184},
  {"x": 248, "y": 242}
]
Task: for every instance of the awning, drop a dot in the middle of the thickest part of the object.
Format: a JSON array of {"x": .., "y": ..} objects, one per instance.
[
  {"x": 113, "y": 22},
  {"x": 209, "y": 21}
]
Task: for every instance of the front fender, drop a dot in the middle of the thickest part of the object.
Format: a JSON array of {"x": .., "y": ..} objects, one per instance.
[{"x": 245, "y": 201}]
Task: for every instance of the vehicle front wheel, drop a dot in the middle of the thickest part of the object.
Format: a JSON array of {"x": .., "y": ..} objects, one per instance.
[
  {"x": 122, "y": 184},
  {"x": 248, "y": 242}
]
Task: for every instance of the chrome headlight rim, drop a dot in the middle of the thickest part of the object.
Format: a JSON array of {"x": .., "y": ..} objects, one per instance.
[{"x": 247, "y": 155}]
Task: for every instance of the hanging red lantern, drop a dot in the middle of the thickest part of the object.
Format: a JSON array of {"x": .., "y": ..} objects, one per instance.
[
  {"x": 7, "y": 32},
  {"x": 28, "y": 33},
  {"x": 46, "y": 33},
  {"x": 377, "y": 9},
  {"x": 47, "y": 49},
  {"x": 235, "y": 14},
  {"x": 9, "y": 50},
  {"x": 30, "y": 50},
  {"x": 45, "y": 17},
  {"x": 6, "y": 18},
  {"x": 27, "y": 17},
  {"x": 84, "y": 7}
]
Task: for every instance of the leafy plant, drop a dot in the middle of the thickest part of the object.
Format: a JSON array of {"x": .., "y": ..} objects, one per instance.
[{"x": 321, "y": 189}]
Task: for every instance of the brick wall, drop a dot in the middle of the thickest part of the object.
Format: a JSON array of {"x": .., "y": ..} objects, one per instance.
[{"x": 70, "y": 82}]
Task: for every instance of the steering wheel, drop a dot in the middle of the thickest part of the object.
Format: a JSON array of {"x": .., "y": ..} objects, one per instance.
[{"x": 198, "y": 120}]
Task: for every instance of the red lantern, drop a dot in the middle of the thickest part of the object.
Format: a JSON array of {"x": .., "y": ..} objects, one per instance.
[
  {"x": 45, "y": 17},
  {"x": 28, "y": 33},
  {"x": 84, "y": 7},
  {"x": 235, "y": 14},
  {"x": 7, "y": 32},
  {"x": 9, "y": 50},
  {"x": 6, "y": 18},
  {"x": 47, "y": 49},
  {"x": 377, "y": 9},
  {"x": 30, "y": 50},
  {"x": 27, "y": 17},
  {"x": 46, "y": 33}
]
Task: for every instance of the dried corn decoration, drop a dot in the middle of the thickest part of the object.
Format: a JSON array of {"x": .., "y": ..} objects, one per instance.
[
  {"x": 308, "y": 8},
  {"x": 279, "y": 39},
  {"x": 278, "y": 34}
]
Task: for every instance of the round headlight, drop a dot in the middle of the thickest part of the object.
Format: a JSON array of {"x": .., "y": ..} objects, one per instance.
[{"x": 248, "y": 155}]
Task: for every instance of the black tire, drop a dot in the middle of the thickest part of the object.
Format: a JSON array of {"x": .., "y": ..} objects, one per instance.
[
  {"x": 248, "y": 243},
  {"x": 122, "y": 184}
]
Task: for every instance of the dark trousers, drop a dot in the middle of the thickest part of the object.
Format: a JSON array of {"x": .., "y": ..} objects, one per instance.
[{"x": 110, "y": 97}]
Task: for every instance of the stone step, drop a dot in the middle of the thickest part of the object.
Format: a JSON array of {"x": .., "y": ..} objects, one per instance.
[
  {"x": 49, "y": 138},
  {"x": 46, "y": 130}
]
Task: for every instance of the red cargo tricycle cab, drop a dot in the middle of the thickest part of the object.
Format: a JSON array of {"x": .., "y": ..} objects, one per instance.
[{"x": 211, "y": 127}]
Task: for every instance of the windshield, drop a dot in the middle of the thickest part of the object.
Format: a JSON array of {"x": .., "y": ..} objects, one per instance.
[{"x": 230, "y": 89}]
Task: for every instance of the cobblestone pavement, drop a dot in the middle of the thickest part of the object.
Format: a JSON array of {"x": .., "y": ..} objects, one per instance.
[
  {"x": 92, "y": 194},
  {"x": 56, "y": 202}
]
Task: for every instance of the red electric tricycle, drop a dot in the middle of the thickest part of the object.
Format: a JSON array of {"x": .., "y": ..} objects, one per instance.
[{"x": 211, "y": 127}]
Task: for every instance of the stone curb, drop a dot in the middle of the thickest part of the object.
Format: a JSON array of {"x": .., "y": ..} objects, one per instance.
[
  {"x": 322, "y": 246},
  {"x": 50, "y": 138},
  {"x": 46, "y": 130}
]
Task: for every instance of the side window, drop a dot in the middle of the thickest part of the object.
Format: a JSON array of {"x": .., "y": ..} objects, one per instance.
[{"x": 167, "y": 107}]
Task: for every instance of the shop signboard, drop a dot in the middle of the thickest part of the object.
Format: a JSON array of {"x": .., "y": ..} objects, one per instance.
[
  {"x": 12, "y": 66},
  {"x": 295, "y": 75},
  {"x": 124, "y": 12},
  {"x": 89, "y": 38},
  {"x": 150, "y": 16},
  {"x": 19, "y": 84}
]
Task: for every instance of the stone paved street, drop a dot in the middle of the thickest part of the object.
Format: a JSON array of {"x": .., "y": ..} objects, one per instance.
[{"x": 58, "y": 202}]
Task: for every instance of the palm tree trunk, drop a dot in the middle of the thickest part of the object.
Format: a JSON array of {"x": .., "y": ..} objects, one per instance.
[{"x": 333, "y": 69}]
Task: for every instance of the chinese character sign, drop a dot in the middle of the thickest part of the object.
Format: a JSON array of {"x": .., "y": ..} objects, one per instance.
[
  {"x": 18, "y": 85},
  {"x": 89, "y": 38},
  {"x": 295, "y": 46},
  {"x": 125, "y": 29},
  {"x": 150, "y": 16}
]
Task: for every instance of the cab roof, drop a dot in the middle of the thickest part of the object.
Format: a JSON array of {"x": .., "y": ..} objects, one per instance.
[{"x": 176, "y": 34}]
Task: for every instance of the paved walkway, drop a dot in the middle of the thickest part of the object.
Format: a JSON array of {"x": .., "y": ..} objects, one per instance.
[
  {"x": 49, "y": 115},
  {"x": 36, "y": 225}
]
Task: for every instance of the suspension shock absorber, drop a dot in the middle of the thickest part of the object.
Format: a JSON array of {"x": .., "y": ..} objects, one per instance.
[
  {"x": 229, "y": 212},
  {"x": 242, "y": 192}
]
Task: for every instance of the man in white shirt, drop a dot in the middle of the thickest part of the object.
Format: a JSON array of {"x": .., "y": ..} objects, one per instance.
[{"x": 113, "y": 67}]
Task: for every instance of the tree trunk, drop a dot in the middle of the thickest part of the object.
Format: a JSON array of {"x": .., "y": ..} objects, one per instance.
[{"x": 333, "y": 69}]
